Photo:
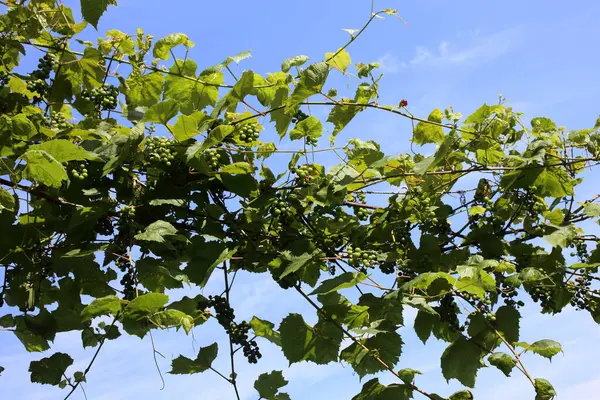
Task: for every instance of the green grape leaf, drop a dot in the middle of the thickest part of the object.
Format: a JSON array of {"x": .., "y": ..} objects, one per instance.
[
  {"x": 387, "y": 346},
  {"x": 461, "y": 395},
  {"x": 562, "y": 236},
  {"x": 295, "y": 61},
  {"x": 145, "y": 305},
  {"x": 64, "y": 151},
  {"x": 311, "y": 82},
  {"x": 162, "y": 112},
  {"x": 544, "y": 390},
  {"x": 373, "y": 390},
  {"x": 216, "y": 136},
  {"x": 92, "y": 10},
  {"x": 299, "y": 341},
  {"x": 43, "y": 168},
  {"x": 297, "y": 262},
  {"x": 426, "y": 132},
  {"x": 408, "y": 375},
  {"x": 236, "y": 168},
  {"x": 268, "y": 384},
  {"x": 186, "y": 126},
  {"x": 546, "y": 348},
  {"x": 343, "y": 281},
  {"x": 345, "y": 110},
  {"x": 204, "y": 360},
  {"x": 170, "y": 202},
  {"x": 503, "y": 362},
  {"x": 507, "y": 323},
  {"x": 264, "y": 329},
  {"x": 109, "y": 305},
  {"x": 339, "y": 60},
  {"x": 592, "y": 210},
  {"x": 50, "y": 370},
  {"x": 163, "y": 46},
  {"x": 172, "y": 318},
  {"x": 144, "y": 90},
  {"x": 311, "y": 127},
  {"x": 461, "y": 360},
  {"x": 543, "y": 124},
  {"x": 7, "y": 201},
  {"x": 33, "y": 343},
  {"x": 156, "y": 232},
  {"x": 204, "y": 258}
]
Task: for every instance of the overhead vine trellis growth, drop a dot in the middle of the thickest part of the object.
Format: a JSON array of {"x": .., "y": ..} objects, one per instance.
[{"x": 125, "y": 172}]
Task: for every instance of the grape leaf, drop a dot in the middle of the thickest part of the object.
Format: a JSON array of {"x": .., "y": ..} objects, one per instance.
[
  {"x": 109, "y": 305},
  {"x": 268, "y": 384},
  {"x": 343, "y": 281},
  {"x": 92, "y": 10},
  {"x": 461, "y": 360},
  {"x": 163, "y": 46},
  {"x": 204, "y": 360},
  {"x": 50, "y": 370},
  {"x": 503, "y": 362}
]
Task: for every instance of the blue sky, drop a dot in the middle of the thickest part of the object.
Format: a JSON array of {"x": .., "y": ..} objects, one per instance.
[{"x": 541, "y": 55}]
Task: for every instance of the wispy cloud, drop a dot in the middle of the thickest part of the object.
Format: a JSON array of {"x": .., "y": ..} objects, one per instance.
[
  {"x": 390, "y": 63},
  {"x": 470, "y": 51}
]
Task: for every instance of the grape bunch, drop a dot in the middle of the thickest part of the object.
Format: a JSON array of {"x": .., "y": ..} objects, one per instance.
[
  {"x": 249, "y": 133},
  {"x": 237, "y": 332},
  {"x": 311, "y": 141},
  {"x": 508, "y": 294},
  {"x": 160, "y": 150},
  {"x": 4, "y": 78},
  {"x": 361, "y": 213},
  {"x": 59, "y": 121},
  {"x": 580, "y": 291},
  {"x": 362, "y": 259},
  {"x": 39, "y": 87},
  {"x": 280, "y": 206},
  {"x": 448, "y": 311},
  {"x": 79, "y": 171},
  {"x": 304, "y": 173},
  {"x": 128, "y": 280},
  {"x": 299, "y": 116},
  {"x": 45, "y": 66},
  {"x": 581, "y": 251},
  {"x": 213, "y": 157},
  {"x": 104, "y": 97},
  {"x": 544, "y": 294}
]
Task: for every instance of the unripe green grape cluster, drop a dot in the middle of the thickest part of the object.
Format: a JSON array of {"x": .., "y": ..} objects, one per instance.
[
  {"x": 213, "y": 157},
  {"x": 104, "y": 97},
  {"x": 280, "y": 206},
  {"x": 304, "y": 173},
  {"x": 160, "y": 150},
  {"x": 59, "y": 121},
  {"x": 79, "y": 172},
  {"x": 45, "y": 66},
  {"x": 310, "y": 141},
  {"x": 39, "y": 87},
  {"x": 249, "y": 133},
  {"x": 361, "y": 258}
]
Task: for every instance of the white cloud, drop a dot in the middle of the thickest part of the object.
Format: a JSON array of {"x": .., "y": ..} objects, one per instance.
[
  {"x": 477, "y": 50},
  {"x": 390, "y": 63}
]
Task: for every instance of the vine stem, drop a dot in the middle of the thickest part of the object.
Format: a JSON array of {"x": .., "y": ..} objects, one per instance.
[
  {"x": 87, "y": 369},
  {"x": 360, "y": 344},
  {"x": 354, "y": 37},
  {"x": 233, "y": 379}
]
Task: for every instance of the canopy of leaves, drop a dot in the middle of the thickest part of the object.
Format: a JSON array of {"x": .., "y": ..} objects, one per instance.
[{"x": 117, "y": 189}]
